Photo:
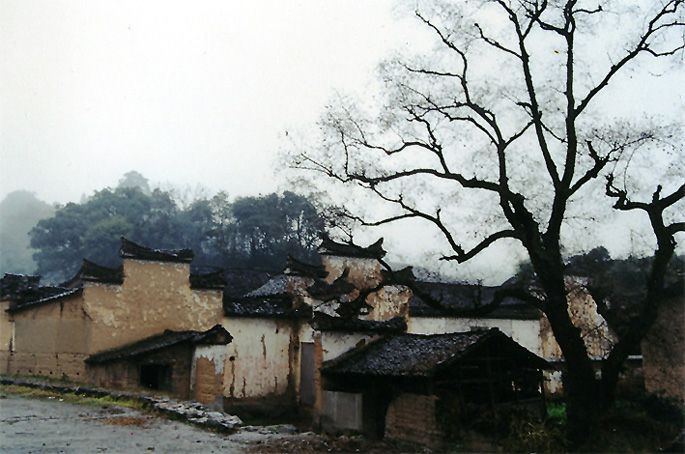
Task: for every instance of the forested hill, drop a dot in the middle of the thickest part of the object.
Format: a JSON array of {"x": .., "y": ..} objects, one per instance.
[{"x": 248, "y": 232}]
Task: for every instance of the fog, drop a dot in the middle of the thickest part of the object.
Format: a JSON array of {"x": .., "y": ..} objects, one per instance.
[
  {"x": 186, "y": 93},
  {"x": 204, "y": 94}
]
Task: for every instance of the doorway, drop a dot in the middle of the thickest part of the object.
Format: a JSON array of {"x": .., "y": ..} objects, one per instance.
[{"x": 155, "y": 376}]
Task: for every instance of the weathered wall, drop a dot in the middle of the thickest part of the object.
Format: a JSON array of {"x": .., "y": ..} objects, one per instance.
[
  {"x": 154, "y": 297},
  {"x": 257, "y": 360},
  {"x": 335, "y": 343},
  {"x": 411, "y": 418},
  {"x": 525, "y": 332},
  {"x": 6, "y": 327},
  {"x": 364, "y": 273},
  {"x": 663, "y": 352},
  {"x": 207, "y": 375},
  {"x": 597, "y": 336},
  {"x": 51, "y": 340},
  {"x": 329, "y": 345},
  {"x": 6, "y": 334},
  {"x": 389, "y": 302}
]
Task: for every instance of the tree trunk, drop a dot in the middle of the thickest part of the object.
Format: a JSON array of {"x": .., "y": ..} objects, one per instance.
[{"x": 580, "y": 386}]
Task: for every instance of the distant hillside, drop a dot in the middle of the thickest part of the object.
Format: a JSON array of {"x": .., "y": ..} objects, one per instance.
[{"x": 19, "y": 213}]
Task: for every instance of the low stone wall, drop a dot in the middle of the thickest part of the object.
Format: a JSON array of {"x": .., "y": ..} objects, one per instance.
[{"x": 411, "y": 418}]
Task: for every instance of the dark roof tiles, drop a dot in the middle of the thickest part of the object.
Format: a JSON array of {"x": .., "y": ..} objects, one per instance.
[
  {"x": 208, "y": 281},
  {"x": 216, "y": 335},
  {"x": 265, "y": 307},
  {"x": 131, "y": 250},
  {"x": 92, "y": 272},
  {"x": 373, "y": 251},
  {"x": 42, "y": 295},
  {"x": 416, "y": 355},
  {"x": 441, "y": 299}
]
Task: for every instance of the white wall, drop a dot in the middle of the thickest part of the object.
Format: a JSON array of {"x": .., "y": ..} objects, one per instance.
[
  {"x": 525, "y": 332},
  {"x": 257, "y": 360}
]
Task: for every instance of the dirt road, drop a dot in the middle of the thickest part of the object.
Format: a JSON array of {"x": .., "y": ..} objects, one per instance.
[{"x": 51, "y": 426}]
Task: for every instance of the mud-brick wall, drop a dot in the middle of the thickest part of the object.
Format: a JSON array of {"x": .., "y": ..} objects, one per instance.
[
  {"x": 389, "y": 302},
  {"x": 258, "y": 358},
  {"x": 6, "y": 333},
  {"x": 411, "y": 418},
  {"x": 207, "y": 375},
  {"x": 663, "y": 352},
  {"x": 51, "y": 340},
  {"x": 154, "y": 297},
  {"x": 363, "y": 272}
]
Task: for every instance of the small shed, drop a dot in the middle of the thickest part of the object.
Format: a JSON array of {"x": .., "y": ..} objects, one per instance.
[
  {"x": 422, "y": 388},
  {"x": 184, "y": 364}
]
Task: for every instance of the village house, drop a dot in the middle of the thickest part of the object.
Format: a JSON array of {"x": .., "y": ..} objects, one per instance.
[
  {"x": 150, "y": 323},
  {"x": 293, "y": 335},
  {"x": 312, "y": 337}
]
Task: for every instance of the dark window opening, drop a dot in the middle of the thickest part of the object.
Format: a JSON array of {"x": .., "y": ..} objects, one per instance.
[{"x": 155, "y": 376}]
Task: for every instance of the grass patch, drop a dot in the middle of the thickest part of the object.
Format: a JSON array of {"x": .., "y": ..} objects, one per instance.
[{"x": 37, "y": 393}]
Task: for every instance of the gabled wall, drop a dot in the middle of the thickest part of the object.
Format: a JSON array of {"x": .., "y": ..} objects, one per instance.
[
  {"x": 53, "y": 339},
  {"x": 363, "y": 272},
  {"x": 155, "y": 296}
]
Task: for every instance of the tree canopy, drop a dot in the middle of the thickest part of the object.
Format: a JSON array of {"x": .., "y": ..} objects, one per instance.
[{"x": 250, "y": 231}]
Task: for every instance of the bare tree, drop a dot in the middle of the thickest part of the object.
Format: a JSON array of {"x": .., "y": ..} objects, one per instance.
[{"x": 524, "y": 142}]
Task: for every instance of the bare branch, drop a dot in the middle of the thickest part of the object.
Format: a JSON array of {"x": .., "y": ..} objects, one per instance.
[
  {"x": 462, "y": 256},
  {"x": 495, "y": 43},
  {"x": 643, "y": 45},
  {"x": 676, "y": 227}
]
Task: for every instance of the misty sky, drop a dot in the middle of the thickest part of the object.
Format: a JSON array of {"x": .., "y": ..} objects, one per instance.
[
  {"x": 186, "y": 93},
  {"x": 201, "y": 93}
]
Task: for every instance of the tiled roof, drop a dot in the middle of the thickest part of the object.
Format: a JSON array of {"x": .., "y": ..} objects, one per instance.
[
  {"x": 325, "y": 322},
  {"x": 296, "y": 267},
  {"x": 131, "y": 250},
  {"x": 265, "y": 307},
  {"x": 41, "y": 295},
  {"x": 441, "y": 299},
  {"x": 276, "y": 286},
  {"x": 213, "y": 280},
  {"x": 92, "y": 272},
  {"x": 416, "y": 355},
  {"x": 373, "y": 251},
  {"x": 216, "y": 335}
]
